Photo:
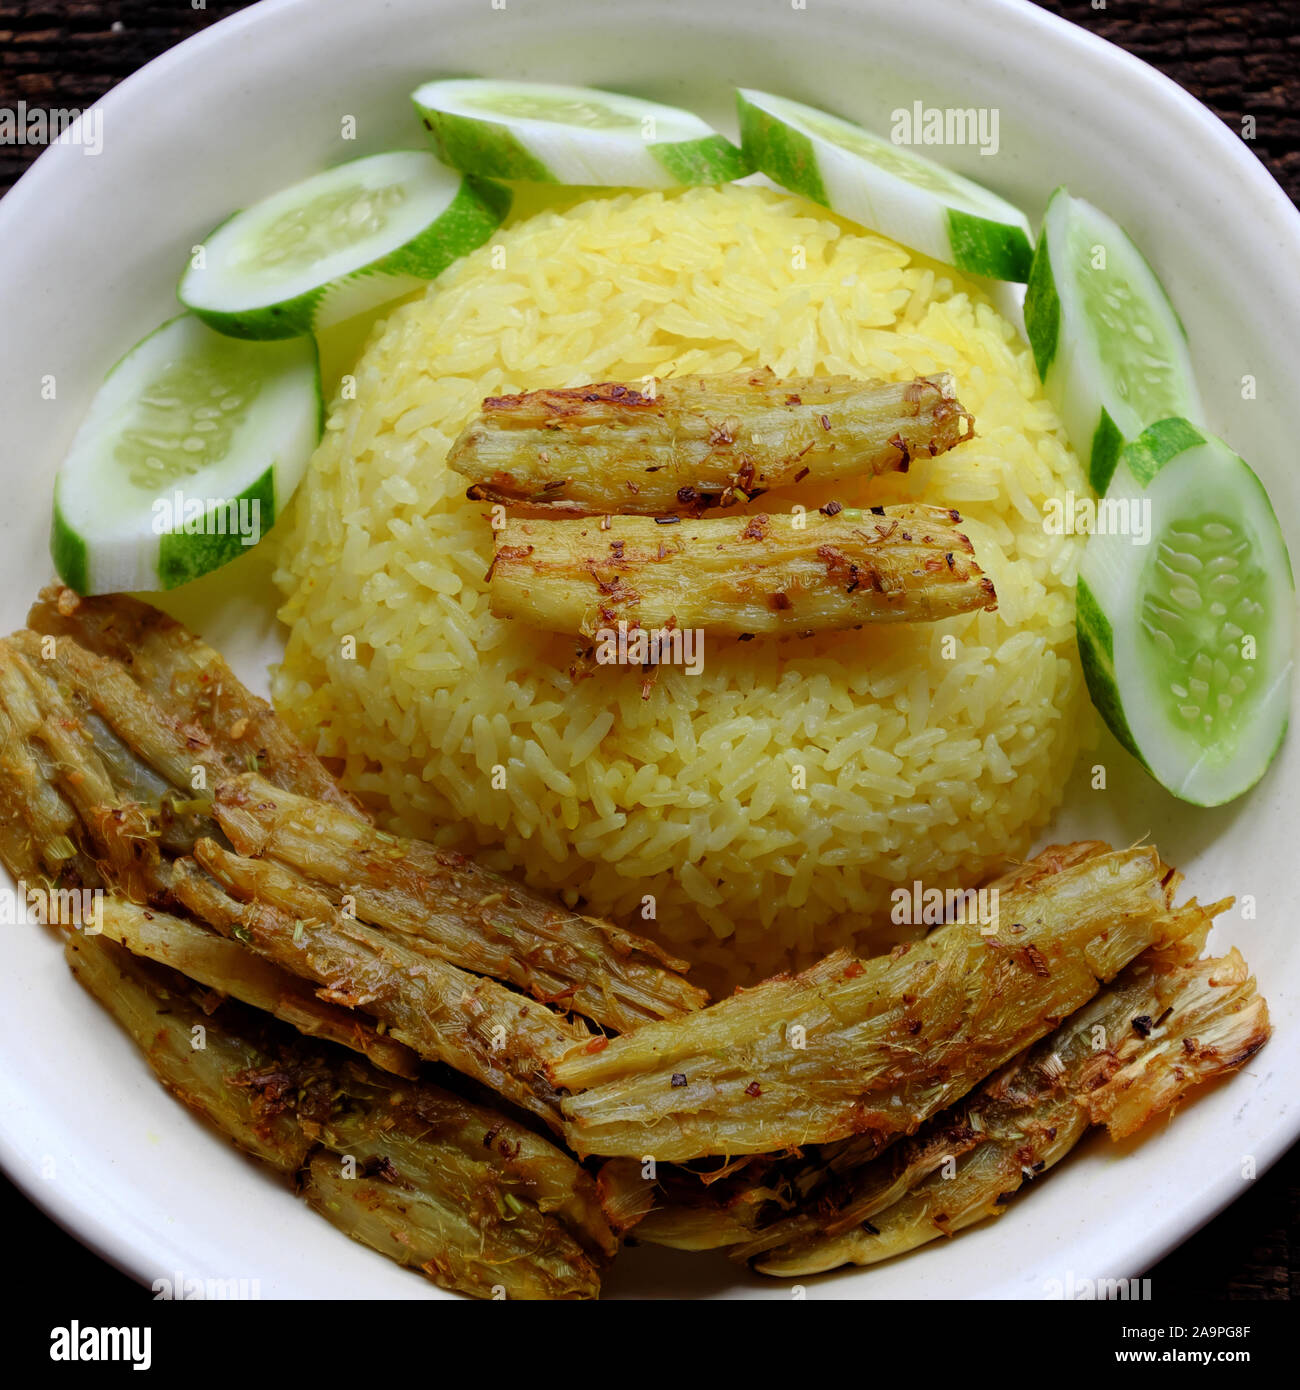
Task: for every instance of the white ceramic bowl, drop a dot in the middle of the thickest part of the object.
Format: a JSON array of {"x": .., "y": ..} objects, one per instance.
[{"x": 92, "y": 250}]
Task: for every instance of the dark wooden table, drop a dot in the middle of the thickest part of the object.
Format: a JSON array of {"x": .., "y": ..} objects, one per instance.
[{"x": 1240, "y": 59}]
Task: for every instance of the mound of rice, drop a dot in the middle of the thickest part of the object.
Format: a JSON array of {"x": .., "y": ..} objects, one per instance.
[{"x": 763, "y": 810}]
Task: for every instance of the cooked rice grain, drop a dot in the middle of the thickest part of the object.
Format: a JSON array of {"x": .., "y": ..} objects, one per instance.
[{"x": 767, "y": 806}]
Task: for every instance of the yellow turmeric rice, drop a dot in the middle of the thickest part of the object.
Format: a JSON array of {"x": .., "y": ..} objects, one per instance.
[{"x": 760, "y": 812}]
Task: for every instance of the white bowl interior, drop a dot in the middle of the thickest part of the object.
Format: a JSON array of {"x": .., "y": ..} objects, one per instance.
[{"x": 94, "y": 246}]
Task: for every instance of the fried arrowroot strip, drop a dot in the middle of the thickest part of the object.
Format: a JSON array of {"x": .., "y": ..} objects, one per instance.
[
  {"x": 230, "y": 967},
  {"x": 159, "y": 1013},
  {"x": 873, "y": 1048},
  {"x": 700, "y": 441},
  {"x": 528, "y": 1165},
  {"x": 479, "y": 1027},
  {"x": 171, "y": 748},
  {"x": 124, "y": 812},
  {"x": 1218, "y": 1022},
  {"x": 87, "y": 734},
  {"x": 40, "y": 831},
  {"x": 18, "y": 850},
  {"x": 681, "y": 1213},
  {"x": 127, "y": 838},
  {"x": 191, "y": 684},
  {"x": 81, "y": 765},
  {"x": 626, "y": 1196},
  {"x": 129, "y": 717},
  {"x": 41, "y": 714},
  {"x": 473, "y": 1199},
  {"x": 478, "y": 1202},
  {"x": 739, "y": 575},
  {"x": 1160, "y": 1030},
  {"x": 466, "y": 914},
  {"x": 800, "y": 1193},
  {"x": 1045, "y": 1089}
]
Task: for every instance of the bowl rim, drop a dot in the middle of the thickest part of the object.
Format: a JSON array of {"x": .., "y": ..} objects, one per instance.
[{"x": 128, "y": 1250}]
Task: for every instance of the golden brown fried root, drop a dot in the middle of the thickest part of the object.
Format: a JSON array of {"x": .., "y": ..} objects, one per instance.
[
  {"x": 626, "y": 1196},
  {"x": 18, "y": 851},
  {"x": 1215, "y": 1023},
  {"x": 69, "y": 776},
  {"x": 1161, "y": 1029},
  {"x": 738, "y": 576},
  {"x": 768, "y": 1199},
  {"x": 680, "y": 1210},
  {"x": 191, "y": 686},
  {"x": 160, "y": 1013},
  {"x": 42, "y": 717},
  {"x": 400, "y": 1219},
  {"x": 427, "y": 1198},
  {"x": 127, "y": 841},
  {"x": 465, "y": 914},
  {"x": 41, "y": 830},
  {"x": 700, "y": 441},
  {"x": 87, "y": 739},
  {"x": 473, "y": 1199},
  {"x": 872, "y": 1048},
  {"x": 234, "y": 969},
  {"x": 482, "y": 1029},
  {"x": 175, "y": 751}
]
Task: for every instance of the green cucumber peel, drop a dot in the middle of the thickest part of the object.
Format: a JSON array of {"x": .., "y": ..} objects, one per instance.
[
  {"x": 1186, "y": 637},
  {"x": 338, "y": 244},
  {"x": 1109, "y": 347},
  {"x": 887, "y": 187},
  {"x": 578, "y": 136},
  {"x": 187, "y": 456}
]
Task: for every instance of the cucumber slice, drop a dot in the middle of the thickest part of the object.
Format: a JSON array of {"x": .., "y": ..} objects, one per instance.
[
  {"x": 573, "y": 135},
  {"x": 1110, "y": 349},
  {"x": 884, "y": 186},
  {"x": 338, "y": 244},
  {"x": 190, "y": 450},
  {"x": 1186, "y": 641}
]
